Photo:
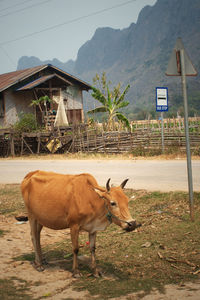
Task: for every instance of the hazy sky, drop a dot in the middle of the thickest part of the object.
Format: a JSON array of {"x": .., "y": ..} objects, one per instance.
[{"x": 62, "y": 26}]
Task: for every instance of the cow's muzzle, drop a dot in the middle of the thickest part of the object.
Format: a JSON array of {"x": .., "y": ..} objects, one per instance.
[{"x": 132, "y": 226}]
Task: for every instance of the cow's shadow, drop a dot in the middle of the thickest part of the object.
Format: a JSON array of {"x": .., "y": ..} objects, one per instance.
[{"x": 56, "y": 259}]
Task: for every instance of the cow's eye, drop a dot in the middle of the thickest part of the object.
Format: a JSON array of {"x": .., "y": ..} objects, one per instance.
[{"x": 113, "y": 203}]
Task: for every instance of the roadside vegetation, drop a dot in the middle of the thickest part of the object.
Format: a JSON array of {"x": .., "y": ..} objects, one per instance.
[
  {"x": 164, "y": 250},
  {"x": 26, "y": 123}
]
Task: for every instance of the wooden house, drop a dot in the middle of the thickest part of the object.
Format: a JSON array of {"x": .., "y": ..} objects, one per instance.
[{"x": 19, "y": 88}]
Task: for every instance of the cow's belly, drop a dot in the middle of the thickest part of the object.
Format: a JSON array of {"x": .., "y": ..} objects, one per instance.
[
  {"x": 51, "y": 221},
  {"x": 56, "y": 225},
  {"x": 49, "y": 213}
]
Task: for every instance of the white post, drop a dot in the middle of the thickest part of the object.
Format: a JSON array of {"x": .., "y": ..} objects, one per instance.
[{"x": 162, "y": 133}]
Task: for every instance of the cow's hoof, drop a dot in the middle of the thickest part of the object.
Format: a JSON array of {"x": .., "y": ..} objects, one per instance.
[
  {"x": 77, "y": 274},
  {"x": 37, "y": 266},
  {"x": 44, "y": 262},
  {"x": 97, "y": 274}
]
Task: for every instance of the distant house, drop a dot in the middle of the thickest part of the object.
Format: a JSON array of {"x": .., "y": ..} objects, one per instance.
[{"x": 19, "y": 88}]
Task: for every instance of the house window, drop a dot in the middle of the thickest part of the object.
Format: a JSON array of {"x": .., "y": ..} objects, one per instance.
[{"x": 1, "y": 106}]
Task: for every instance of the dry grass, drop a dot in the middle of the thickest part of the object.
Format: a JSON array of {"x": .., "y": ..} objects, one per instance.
[
  {"x": 100, "y": 156},
  {"x": 11, "y": 202},
  {"x": 9, "y": 290},
  {"x": 164, "y": 250}
]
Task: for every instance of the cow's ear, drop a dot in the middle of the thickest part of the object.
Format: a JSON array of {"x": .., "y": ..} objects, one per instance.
[{"x": 100, "y": 191}]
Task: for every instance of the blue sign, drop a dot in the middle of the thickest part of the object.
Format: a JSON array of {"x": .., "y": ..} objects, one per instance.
[{"x": 161, "y": 99}]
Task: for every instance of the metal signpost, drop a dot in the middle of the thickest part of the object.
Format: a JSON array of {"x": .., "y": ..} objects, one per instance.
[
  {"x": 180, "y": 65},
  {"x": 162, "y": 105}
]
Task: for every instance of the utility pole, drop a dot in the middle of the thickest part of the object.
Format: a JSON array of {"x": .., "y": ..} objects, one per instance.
[{"x": 181, "y": 65}]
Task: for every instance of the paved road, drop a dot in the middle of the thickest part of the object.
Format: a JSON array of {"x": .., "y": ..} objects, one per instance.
[{"x": 163, "y": 175}]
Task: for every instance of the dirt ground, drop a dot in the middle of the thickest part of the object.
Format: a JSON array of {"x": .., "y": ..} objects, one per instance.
[{"x": 55, "y": 282}]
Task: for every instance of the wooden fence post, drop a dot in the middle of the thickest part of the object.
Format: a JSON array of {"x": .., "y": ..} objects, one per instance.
[
  {"x": 12, "y": 143},
  {"x": 39, "y": 141}
]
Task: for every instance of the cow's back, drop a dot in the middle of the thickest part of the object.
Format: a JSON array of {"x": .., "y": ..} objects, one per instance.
[{"x": 57, "y": 201}]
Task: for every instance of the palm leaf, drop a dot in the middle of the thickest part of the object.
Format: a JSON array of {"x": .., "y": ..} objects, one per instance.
[
  {"x": 34, "y": 102},
  {"x": 45, "y": 99},
  {"x": 97, "y": 94},
  {"x": 123, "y": 104},
  {"x": 98, "y": 109},
  {"x": 122, "y": 118},
  {"x": 109, "y": 98},
  {"x": 116, "y": 92},
  {"x": 121, "y": 98}
]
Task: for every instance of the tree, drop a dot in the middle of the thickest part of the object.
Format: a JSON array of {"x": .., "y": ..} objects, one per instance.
[
  {"x": 41, "y": 100},
  {"x": 112, "y": 101}
]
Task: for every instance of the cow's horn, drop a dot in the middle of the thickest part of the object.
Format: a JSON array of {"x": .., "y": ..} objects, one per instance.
[
  {"x": 108, "y": 185},
  {"x": 123, "y": 183}
]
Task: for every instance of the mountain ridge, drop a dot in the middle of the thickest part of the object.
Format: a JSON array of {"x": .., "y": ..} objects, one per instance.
[{"x": 138, "y": 55}]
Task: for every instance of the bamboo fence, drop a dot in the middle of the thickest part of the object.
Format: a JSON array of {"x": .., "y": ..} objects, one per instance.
[{"x": 145, "y": 137}]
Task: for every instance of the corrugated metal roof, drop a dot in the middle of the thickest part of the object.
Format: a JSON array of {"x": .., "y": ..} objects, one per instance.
[{"x": 9, "y": 79}]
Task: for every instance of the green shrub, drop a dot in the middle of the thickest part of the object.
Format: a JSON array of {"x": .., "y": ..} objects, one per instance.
[{"x": 26, "y": 123}]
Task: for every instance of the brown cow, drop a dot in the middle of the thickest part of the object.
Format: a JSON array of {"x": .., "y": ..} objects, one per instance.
[{"x": 77, "y": 202}]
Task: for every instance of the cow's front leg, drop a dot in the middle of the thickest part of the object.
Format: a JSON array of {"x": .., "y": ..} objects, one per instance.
[
  {"x": 74, "y": 237},
  {"x": 92, "y": 239}
]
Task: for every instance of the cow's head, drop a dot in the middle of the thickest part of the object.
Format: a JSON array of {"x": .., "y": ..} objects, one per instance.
[{"x": 116, "y": 203}]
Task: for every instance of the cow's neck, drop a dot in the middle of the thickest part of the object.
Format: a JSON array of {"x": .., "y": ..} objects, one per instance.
[{"x": 99, "y": 222}]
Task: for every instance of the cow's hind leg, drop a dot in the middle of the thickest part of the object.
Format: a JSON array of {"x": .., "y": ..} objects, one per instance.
[
  {"x": 92, "y": 239},
  {"x": 35, "y": 236},
  {"x": 74, "y": 237}
]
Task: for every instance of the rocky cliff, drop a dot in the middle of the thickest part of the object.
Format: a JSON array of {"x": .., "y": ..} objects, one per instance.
[{"x": 139, "y": 54}]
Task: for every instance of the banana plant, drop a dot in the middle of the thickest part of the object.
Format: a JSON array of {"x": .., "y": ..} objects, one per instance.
[{"x": 111, "y": 102}]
